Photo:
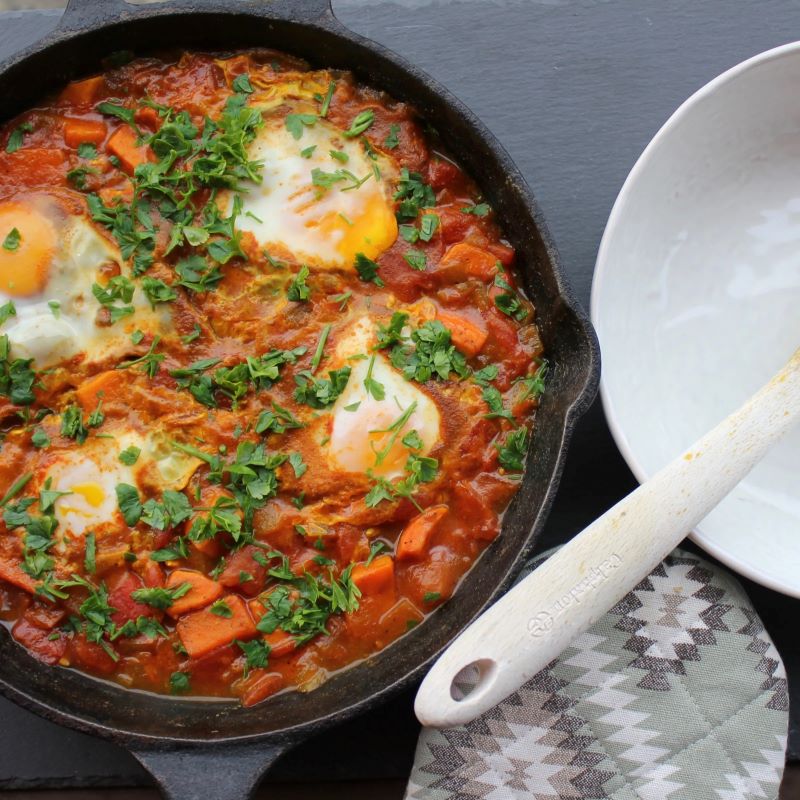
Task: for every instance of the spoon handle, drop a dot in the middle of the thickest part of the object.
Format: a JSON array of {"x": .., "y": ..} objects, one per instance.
[{"x": 532, "y": 624}]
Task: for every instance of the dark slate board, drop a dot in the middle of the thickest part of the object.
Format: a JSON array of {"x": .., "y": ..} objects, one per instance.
[{"x": 574, "y": 89}]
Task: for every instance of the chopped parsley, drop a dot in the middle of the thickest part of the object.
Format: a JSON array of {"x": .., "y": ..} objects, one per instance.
[
  {"x": 12, "y": 240},
  {"x": 433, "y": 355},
  {"x": 367, "y": 269},
  {"x": 511, "y": 453},
  {"x": 160, "y": 597},
  {"x": 360, "y": 123},
  {"x": 509, "y": 302},
  {"x": 493, "y": 399},
  {"x": 320, "y": 393},
  {"x": 416, "y": 259},
  {"x": 16, "y": 376},
  {"x": 221, "y": 609},
  {"x": 373, "y": 387},
  {"x": 414, "y": 194},
  {"x": 129, "y": 455},
  {"x": 118, "y": 289},
  {"x": 7, "y": 310},
  {"x": 391, "y": 141},
  {"x": 297, "y": 123},
  {"x": 17, "y": 137},
  {"x": 179, "y": 682},
  {"x": 299, "y": 291}
]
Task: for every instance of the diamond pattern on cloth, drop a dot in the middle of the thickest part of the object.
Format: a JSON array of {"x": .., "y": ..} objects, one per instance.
[{"x": 676, "y": 694}]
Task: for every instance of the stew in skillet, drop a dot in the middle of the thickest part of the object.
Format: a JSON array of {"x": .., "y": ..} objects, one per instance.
[{"x": 267, "y": 379}]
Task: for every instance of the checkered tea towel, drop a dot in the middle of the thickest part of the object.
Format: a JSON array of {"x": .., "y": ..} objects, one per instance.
[{"x": 676, "y": 694}]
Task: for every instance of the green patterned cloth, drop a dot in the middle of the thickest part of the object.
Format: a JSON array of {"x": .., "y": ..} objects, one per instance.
[{"x": 676, "y": 694}]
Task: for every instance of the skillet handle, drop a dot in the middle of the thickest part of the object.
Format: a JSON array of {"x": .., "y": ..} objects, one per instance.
[
  {"x": 83, "y": 14},
  {"x": 210, "y": 772}
]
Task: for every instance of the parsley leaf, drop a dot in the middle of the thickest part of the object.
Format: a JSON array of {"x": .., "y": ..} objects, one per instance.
[
  {"x": 159, "y": 597},
  {"x": 39, "y": 438},
  {"x": 479, "y": 210},
  {"x": 367, "y": 269},
  {"x": 416, "y": 259},
  {"x": 72, "y": 425},
  {"x": 362, "y": 121},
  {"x": 179, "y": 682},
  {"x": 433, "y": 355},
  {"x": 372, "y": 386},
  {"x": 484, "y": 376},
  {"x": 413, "y": 194},
  {"x": 221, "y": 609},
  {"x": 509, "y": 302},
  {"x": 17, "y": 136},
  {"x": 129, "y": 455},
  {"x": 298, "y": 465},
  {"x": 16, "y": 376},
  {"x": 241, "y": 83},
  {"x": 7, "y": 310},
  {"x": 298, "y": 290},
  {"x": 320, "y": 393},
  {"x": 12, "y": 240},
  {"x": 256, "y": 654},
  {"x": 296, "y": 123},
  {"x": 391, "y": 141},
  {"x": 493, "y": 399},
  {"x": 393, "y": 332},
  {"x": 157, "y": 291},
  {"x": 512, "y": 452},
  {"x": 129, "y": 504}
]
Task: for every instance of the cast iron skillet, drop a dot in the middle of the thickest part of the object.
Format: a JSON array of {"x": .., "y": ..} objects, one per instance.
[{"x": 217, "y": 750}]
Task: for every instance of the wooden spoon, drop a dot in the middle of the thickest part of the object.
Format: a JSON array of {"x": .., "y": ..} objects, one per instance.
[{"x": 532, "y": 624}]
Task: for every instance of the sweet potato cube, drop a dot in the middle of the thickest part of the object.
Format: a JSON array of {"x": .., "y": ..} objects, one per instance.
[
  {"x": 204, "y": 631},
  {"x": 414, "y": 540},
  {"x": 203, "y": 592},
  {"x": 376, "y": 577},
  {"x": 467, "y": 261},
  {"x": 468, "y": 337}
]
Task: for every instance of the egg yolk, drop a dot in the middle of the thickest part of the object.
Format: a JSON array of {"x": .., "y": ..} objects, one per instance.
[
  {"x": 371, "y": 232},
  {"x": 92, "y": 493},
  {"x": 24, "y": 268}
]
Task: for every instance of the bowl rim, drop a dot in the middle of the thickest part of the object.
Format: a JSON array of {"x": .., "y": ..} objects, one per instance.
[{"x": 600, "y": 279}]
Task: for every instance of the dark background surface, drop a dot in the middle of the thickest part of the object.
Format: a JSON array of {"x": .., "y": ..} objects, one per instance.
[{"x": 574, "y": 89}]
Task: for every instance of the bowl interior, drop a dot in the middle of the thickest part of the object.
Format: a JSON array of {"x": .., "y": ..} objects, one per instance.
[{"x": 697, "y": 298}]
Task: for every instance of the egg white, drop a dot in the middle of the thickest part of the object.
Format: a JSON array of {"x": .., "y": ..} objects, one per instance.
[
  {"x": 361, "y": 424},
  {"x": 89, "y": 477},
  {"x": 59, "y": 321},
  {"x": 326, "y": 227}
]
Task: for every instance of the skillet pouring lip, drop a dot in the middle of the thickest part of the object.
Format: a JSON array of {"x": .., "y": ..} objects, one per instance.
[{"x": 310, "y": 30}]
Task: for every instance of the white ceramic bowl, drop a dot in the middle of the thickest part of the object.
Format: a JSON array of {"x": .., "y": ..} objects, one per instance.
[{"x": 696, "y": 298}]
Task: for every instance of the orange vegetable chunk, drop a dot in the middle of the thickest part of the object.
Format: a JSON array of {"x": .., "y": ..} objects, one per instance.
[
  {"x": 12, "y": 573},
  {"x": 259, "y": 686},
  {"x": 413, "y": 542},
  {"x": 377, "y": 577},
  {"x": 85, "y": 91},
  {"x": 465, "y": 335},
  {"x": 469, "y": 260},
  {"x": 79, "y": 131},
  {"x": 203, "y": 631},
  {"x": 106, "y": 385},
  {"x": 123, "y": 145},
  {"x": 280, "y": 643},
  {"x": 203, "y": 592}
]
